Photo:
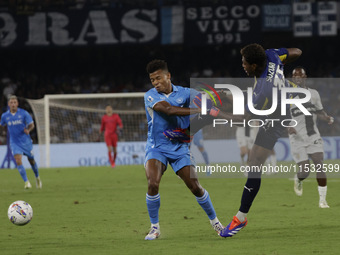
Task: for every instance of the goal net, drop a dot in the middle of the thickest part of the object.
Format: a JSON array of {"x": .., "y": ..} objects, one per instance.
[{"x": 76, "y": 118}]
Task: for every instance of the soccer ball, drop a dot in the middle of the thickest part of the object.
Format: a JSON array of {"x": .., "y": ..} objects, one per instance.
[{"x": 20, "y": 213}]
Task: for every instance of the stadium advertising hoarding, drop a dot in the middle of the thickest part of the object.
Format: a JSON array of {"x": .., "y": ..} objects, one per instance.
[
  {"x": 276, "y": 17},
  {"x": 132, "y": 153},
  {"x": 312, "y": 19}
]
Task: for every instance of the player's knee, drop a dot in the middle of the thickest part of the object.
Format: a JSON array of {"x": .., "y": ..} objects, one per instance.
[{"x": 153, "y": 187}]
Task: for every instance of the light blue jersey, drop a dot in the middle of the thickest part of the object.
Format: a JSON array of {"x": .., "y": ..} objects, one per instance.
[
  {"x": 158, "y": 146},
  {"x": 20, "y": 142}
]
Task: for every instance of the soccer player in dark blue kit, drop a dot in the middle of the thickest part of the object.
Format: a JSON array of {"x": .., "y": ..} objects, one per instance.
[
  {"x": 167, "y": 107},
  {"x": 20, "y": 124},
  {"x": 266, "y": 66}
]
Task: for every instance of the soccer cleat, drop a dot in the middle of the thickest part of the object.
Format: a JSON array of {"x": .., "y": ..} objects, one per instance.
[
  {"x": 323, "y": 204},
  {"x": 218, "y": 227},
  {"x": 38, "y": 183},
  {"x": 233, "y": 228},
  {"x": 179, "y": 134},
  {"x": 113, "y": 164},
  {"x": 297, "y": 186},
  {"x": 153, "y": 234},
  {"x": 28, "y": 185}
]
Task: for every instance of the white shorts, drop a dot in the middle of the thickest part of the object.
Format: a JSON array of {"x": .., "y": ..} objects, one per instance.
[
  {"x": 243, "y": 140},
  {"x": 301, "y": 148}
]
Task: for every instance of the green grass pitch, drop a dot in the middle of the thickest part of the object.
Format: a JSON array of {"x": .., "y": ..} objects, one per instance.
[{"x": 99, "y": 210}]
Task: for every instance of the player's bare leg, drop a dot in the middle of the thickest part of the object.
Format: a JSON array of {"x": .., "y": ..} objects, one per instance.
[
  {"x": 321, "y": 178},
  {"x": 154, "y": 170},
  {"x": 300, "y": 176},
  {"x": 189, "y": 176},
  {"x": 22, "y": 170},
  {"x": 36, "y": 172},
  {"x": 114, "y": 156}
]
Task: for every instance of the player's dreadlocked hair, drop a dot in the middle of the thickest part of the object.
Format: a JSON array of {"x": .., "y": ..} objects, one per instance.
[
  {"x": 156, "y": 64},
  {"x": 254, "y": 54}
]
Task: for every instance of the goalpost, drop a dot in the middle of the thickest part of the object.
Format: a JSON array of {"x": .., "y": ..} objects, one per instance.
[{"x": 76, "y": 118}]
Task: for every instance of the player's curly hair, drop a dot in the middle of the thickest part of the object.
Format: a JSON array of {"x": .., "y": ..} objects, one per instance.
[
  {"x": 156, "y": 64},
  {"x": 254, "y": 54}
]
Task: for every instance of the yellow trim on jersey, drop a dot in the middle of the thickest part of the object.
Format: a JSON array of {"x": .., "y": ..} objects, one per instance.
[
  {"x": 293, "y": 84},
  {"x": 283, "y": 57},
  {"x": 265, "y": 104},
  {"x": 255, "y": 82}
]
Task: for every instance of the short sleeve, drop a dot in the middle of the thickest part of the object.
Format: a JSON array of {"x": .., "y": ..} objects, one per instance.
[
  {"x": 3, "y": 123},
  {"x": 282, "y": 53},
  {"x": 28, "y": 118},
  {"x": 317, "y": 103},
  {"x": 150, "y": 99}
]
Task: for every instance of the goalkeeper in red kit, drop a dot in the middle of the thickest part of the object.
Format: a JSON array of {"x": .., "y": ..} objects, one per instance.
[{"x": 112, "y": 124}]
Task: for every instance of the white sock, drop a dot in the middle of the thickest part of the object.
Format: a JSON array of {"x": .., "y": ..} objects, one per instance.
[
  {"x": 155, "y": 225},
  {"x": 214, "y": 221},
  {"x": 322, "y": 192},
  {"x": 242, "y": 161},
  {"x": 273, "y": 160},
  {"x": 241, "y": 216}
]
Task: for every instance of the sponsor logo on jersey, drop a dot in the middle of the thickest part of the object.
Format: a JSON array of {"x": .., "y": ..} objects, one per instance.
[
  {"x": 150, "y": 98},
  {"x": 179, "y": 100},
  {"x": 15, "y": 122}
]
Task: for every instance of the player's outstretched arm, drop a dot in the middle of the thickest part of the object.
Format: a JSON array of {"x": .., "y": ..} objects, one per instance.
[
  {"x": 168, "y": 109},
  {"x": 293, "y": 54}
]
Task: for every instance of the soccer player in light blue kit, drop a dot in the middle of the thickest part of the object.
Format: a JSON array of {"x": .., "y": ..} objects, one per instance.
[
  {"x": 167, "y": 106},
  {"x": 20, "y": 124}
]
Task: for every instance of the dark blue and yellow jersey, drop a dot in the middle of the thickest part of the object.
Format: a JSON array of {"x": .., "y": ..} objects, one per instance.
[{"x": 272, "y": 77}]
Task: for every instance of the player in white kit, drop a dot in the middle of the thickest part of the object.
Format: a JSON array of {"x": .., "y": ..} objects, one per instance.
[{"x": 305, "y": 139}]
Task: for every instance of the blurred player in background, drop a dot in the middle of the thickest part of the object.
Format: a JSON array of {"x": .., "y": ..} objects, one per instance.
[
  {"x": 245, "y": 137},
  {"x": 19, "y": 125},
  {"x": 112, "y": 124},
  {"x": 167, "y": 106},
  {"x": 198, "y": 141},
  {"x": 305, "y": 139}
]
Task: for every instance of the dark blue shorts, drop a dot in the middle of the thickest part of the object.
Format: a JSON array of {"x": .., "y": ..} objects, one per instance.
[{"x": 267, "y": 135}]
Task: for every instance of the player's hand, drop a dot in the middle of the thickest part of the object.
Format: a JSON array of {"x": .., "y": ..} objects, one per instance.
[
  {"x": 291, "y": 131},
  {"x": 26, "y": 131},
  {"x": 212, "y": 110},
  {"x": 198, "y": 102},
  {"x": 330, "y": 120}
]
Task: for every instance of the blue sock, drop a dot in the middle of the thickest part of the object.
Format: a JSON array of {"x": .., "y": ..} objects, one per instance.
[
  {"x": 206, "y": 158},
  {"x": 35, "y": 170},
  {"x": 153, "y": 203},
  {"x": 205, "y": 202},
  {"x": 22, "y": 172}
]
